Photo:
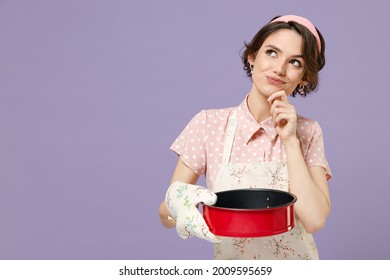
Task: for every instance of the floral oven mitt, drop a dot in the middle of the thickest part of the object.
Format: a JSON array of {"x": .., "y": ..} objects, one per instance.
[{"x": 182, "y": 200}]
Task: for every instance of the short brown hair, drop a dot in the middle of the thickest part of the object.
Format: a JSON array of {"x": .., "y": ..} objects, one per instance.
[{"x": 315, "y": 59}]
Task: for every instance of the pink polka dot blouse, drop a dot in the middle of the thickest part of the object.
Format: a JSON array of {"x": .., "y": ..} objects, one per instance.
[{"x": 201, "y": 143}]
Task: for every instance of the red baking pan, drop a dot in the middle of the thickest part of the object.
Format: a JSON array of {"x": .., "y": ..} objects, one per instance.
[{"x": 251, "y": 213}]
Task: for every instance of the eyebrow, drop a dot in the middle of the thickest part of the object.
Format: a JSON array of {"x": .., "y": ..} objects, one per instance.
[{"x": 279, "y": 50}]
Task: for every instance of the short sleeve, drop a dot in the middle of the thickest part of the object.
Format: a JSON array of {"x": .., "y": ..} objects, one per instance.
[
  {"x": 315, "y": 155},
  {"x": 190, "y": 145}
]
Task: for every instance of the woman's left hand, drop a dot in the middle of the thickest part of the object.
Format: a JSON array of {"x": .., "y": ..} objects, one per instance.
[{"x": 284, "y": 115}]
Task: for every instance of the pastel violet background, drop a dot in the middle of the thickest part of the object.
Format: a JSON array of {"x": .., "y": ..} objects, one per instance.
[{"x": 92, "y": 94}]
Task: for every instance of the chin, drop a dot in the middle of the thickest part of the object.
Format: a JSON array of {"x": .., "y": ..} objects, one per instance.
[{"x": 269, "y": 91}]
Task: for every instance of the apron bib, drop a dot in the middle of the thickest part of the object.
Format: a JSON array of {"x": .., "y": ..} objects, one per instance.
[{"x": 294, "y": 244}]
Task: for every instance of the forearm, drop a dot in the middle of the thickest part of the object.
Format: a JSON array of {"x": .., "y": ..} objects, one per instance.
[
  {"x": 312, "y": 206},
  {"x": 181, "y": 173},
  {"x": 166, "y": 221}
]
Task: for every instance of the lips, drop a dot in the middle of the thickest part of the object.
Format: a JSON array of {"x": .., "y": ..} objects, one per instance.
[{"x": 275, "y": 81}]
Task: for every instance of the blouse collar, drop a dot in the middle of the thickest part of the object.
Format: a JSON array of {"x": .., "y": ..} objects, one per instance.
[{"x": 249, "y": 126}]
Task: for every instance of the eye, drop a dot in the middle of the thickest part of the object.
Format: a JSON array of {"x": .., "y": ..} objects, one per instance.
[
  {"x": 296, "y": 63},
  {"x": 271, "y": 53}
]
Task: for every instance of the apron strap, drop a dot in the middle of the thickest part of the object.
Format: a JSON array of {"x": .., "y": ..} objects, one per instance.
[{"x": 231, "y": 131}]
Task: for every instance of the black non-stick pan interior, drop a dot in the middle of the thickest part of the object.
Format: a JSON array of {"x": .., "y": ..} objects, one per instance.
[{"x": 253, "y": 199}]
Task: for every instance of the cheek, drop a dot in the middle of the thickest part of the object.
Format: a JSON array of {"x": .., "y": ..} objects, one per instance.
[
  {"x": 264, "y": 64},
  {"x": 296, "y": 76}
]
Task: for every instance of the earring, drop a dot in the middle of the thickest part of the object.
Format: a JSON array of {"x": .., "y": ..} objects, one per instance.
[
  {"x": 301, "y": 89},
  {"x": 251, "y": 67}
]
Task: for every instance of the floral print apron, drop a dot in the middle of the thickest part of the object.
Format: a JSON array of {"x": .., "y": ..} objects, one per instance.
[{"x": 294, "y": 244}]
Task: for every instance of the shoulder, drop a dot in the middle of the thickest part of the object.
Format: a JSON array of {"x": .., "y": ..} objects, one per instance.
[
  {"x": 306, "y": 125},
  {"x": 308, "y": 131},
  {"x": 210, "y": 117}
]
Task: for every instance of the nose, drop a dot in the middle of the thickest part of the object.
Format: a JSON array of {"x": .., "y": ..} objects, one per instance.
[{"x": 280, "y": 68}]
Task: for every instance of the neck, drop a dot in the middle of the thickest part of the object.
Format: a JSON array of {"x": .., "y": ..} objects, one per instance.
[{"x": 258, "y": 106}]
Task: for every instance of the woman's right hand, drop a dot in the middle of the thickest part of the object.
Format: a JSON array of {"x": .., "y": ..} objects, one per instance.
[
  {"x": 171, "y": 217},
  {"x": 182, "y": 200}
]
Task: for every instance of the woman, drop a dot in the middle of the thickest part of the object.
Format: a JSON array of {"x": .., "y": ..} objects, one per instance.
[{"x": 262, "y": 143}]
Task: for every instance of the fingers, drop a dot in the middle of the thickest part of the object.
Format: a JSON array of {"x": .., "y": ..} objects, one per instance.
[
  {"x": 284, "y": 112},
  {"x": 282, "y": 118},
  {"x": 279, "y": 104},
  {"x": 278, "y": 95},
  {"x": 281, "y": 110}
]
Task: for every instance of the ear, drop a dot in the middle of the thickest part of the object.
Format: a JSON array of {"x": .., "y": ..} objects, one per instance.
[{"x": 251, "y": 58}]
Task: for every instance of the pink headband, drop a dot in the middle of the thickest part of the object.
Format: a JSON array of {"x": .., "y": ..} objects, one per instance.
[{"x": 303, "y": 21}]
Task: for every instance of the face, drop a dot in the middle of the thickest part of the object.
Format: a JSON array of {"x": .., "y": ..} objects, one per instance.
[{"x": 279, "y": 64}]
